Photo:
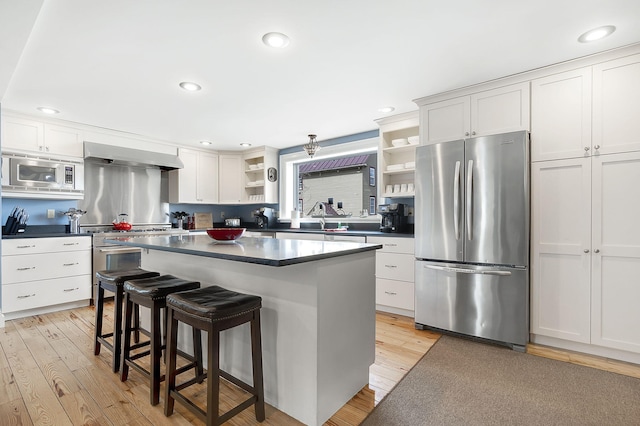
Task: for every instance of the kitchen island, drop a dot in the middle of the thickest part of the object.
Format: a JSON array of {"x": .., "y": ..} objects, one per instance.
[{"x": 318, "y": 312}]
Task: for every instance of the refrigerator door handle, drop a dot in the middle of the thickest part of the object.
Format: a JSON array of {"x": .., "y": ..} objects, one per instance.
[
  {"x": 456, "y": 201},
  {"x": 469, "y": 207},
  {"x": 469, "y": 271}
]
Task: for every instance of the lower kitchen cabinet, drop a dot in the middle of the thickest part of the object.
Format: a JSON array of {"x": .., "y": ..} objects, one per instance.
[
  {"x": 44, "y": 275},
  {"x": 585, "y": 254},
  {"x": 395, "y": 275}
]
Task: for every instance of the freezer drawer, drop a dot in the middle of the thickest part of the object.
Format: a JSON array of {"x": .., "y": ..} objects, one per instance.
[{"x": 481, "y": 301}]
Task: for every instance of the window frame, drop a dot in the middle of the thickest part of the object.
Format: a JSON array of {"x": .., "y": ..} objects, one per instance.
[{"x": 289, "y": 183}]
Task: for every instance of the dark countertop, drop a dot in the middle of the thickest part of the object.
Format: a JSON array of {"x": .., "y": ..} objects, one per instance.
[
  {"x": 329, "y": 232},
  {"x": 264, "y": 251},
  {"x": 44, "y": 231}
]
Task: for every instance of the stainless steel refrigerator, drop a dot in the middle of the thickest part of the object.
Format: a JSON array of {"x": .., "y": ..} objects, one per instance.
[{"x": 472, "y": 237}]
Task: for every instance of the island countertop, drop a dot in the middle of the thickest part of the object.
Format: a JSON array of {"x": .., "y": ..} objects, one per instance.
[{"x": 263, "y": 251}]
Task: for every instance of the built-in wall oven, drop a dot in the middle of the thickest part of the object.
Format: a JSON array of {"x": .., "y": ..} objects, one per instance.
[{"x": 111, "y": 257}]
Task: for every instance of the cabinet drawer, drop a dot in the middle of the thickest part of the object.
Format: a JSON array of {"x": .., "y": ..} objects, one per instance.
[
  {"x": 394, "y": 245},
  {"x": 36, "y": 294},
  {"x": 44, "y": 245},
  {"x": 352, "y": 238},
  {"x": 397, "y": 294},
  {"x": 395, "y": 266},
  {"x": 32, "y": 267}
]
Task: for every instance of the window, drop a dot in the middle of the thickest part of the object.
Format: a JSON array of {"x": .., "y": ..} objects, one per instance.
[{"x": 335, "y": 183}]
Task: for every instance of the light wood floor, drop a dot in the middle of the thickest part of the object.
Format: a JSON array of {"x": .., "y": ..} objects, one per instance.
[{"x": 49, "y": 376}]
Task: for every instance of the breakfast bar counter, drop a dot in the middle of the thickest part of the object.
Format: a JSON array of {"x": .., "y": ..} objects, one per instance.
[{"x": 318, "y": 312}]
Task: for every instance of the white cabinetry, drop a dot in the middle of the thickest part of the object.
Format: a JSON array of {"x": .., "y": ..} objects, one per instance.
[
  {"x": 38, "y": 137},
  {"x": 260, "y": 176},
  {"x": 501, "y": 110},
  {"x": 585, "y": 251},
  {"x": 396, "y": 164},
  {"x": 197, "y": 182},
  {"x": 395, "y": 275},
  {"x": 299, "y": 236},
  {"x": 44, "y": 275},
  {"x": 561, "y": 249},
  {"x": 566, "y": 95},
  {"x": 616, "y": 105},
  {"x": 615, "y": 251},
  {"x": 229, "y": 175}
]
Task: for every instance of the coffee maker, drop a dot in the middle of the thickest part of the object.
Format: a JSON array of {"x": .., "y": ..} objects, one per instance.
[
  {"x": 263, "y": 215},
  {"x": 394, "y": 218}
]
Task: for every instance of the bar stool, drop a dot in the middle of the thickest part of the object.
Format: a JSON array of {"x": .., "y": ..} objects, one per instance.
[
  {"x": 214, "y": 309},
  {"x": 152, "y": 293},
  {"x": 113, "y": 281}
]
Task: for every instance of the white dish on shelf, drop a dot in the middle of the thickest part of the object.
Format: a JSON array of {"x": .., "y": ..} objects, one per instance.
[
  {"x": 399, "y": 142},
  {"x": 392, "y": 167},
  {"x": 253, "y": 166},
  {"x": 413, "y": 140},
  {"x": 260, "y": 166},
  {"x": 410, "y": 165}
]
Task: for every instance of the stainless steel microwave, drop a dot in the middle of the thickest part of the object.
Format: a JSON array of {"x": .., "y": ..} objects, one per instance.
[{"x": 33, "y": 174}]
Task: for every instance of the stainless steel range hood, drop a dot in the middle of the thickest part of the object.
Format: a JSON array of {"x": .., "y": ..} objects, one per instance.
[{"x": 131, "y": 157}]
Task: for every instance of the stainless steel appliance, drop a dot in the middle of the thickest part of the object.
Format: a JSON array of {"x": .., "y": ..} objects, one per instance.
[
  {"x": 108, "y": 256},
  {"x": 22, "y": 173},
  {"x": 472, "y": 237},
  {"x": 394, "y": 217},
  {"x": 263, "y": 216}
]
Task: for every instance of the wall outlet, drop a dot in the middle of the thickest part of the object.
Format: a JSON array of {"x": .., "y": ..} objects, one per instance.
[
  {"x": 51, "y": 213},
  {"x": 410, "y": 211},
  {"x": 221, "y": 215}
]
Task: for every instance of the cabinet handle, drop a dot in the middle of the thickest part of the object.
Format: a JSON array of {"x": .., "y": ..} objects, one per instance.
[
  {"x": 26, "y": 295},
  {"x": 473, "y": 133},
  {"x": 27, "y": 268},
  {"x": 70, "y": 244},
  {"x": 390, "y": 293},
  {"x": 71, "y": 289},
  {"x": 25, "y": 246},
  {"x": 466, "y": 133},
  {"x": 597, "y": 146},
  {"x": 70, "y": 264},
  {"x": 596, "y": 251},
  {"x": 391, "y": 266},
  {"x": 586, "y": 148},
  {"x": 586, "y": 250}
]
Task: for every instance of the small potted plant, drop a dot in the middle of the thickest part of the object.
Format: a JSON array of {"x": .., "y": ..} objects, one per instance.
[{"x": 179, "y": 216}]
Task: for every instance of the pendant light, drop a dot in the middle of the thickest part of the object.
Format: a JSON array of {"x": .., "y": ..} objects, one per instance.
[{"x": 312, "y": 146}]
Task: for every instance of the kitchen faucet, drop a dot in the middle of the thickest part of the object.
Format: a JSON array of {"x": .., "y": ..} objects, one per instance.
[{"x": 322, "y": 223}]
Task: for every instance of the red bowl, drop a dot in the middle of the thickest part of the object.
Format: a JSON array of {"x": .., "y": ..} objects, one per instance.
[{"x": 225, "y": 234}]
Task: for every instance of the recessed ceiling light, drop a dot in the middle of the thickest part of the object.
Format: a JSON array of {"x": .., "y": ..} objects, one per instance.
[
  {"x": 48, "y": 110},
  {"x": 277, "y": 40},
  {"x": 245, "y": 144},
  {"x": 206, "y": 142},
  {"x": 386, "y": 109},
  {"x": 596, "y": 34},
  {"x": 189, "y": 86}
]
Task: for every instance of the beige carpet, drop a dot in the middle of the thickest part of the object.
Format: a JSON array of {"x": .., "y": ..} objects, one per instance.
[{"x": 463, "y": 382}]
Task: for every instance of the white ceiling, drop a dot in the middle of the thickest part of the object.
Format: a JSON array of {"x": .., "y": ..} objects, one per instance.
[{"x": 117, "y": 63}]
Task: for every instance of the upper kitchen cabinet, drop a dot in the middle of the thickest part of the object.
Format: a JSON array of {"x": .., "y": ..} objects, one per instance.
[
  {"x": 197, "y": 182},
  {"x": 260, "y": 175},
  {"x": 561, "y": 116},
  {"x": 230, "y": 182},
  {"x": 397, "y": 154},
  {"x": 501, "y": 110},
  {"x": 616, "y": 105},
  {"x": 38, "y": 137}
]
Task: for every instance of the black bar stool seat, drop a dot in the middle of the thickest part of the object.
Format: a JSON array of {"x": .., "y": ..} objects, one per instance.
[
  {"x": 152, "y": 293},
  {"x": 214, "y": 309},
  {"x": 113, "y": 281}
]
